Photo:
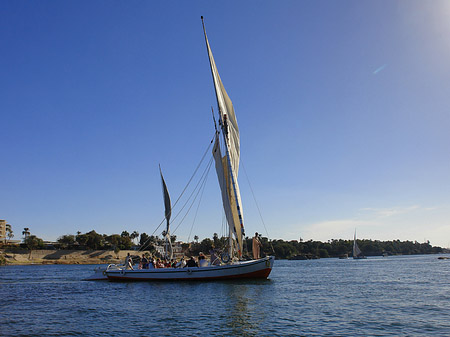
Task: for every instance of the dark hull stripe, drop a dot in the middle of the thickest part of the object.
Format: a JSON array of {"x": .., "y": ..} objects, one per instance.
[{"x": 264, "y": 273}]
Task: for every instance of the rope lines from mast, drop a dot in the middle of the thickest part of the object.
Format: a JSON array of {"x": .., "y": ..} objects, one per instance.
[
  {"x": 146, "y": 243},
  {"x": 202, "y": 184},
  {"x": 202, "y": 189},
  {"x": 256, "y": 203}
]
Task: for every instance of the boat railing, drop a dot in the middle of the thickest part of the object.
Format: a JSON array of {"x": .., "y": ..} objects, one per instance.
[{"x": 115, "y": 266}]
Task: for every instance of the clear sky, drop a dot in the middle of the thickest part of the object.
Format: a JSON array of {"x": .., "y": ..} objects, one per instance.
[{"x": 343, "y": 109}]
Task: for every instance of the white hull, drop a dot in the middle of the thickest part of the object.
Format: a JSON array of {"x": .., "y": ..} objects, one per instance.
[
  {"x": 100, "y": 273},
  {"x": 246, "y": 269}
]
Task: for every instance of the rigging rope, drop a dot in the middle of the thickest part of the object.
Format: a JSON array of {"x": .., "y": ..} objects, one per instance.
[
  {"x": 257, "y": 206},
  {"x": 192, "y": 193},
  {"x": 202, "y": 188},
  {"x": 200, "y": 185},
  {"x": 146, "y": 243}
]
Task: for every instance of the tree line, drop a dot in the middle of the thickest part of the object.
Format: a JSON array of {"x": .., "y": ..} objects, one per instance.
[
  {"x": 339, "y": 248},
  {"x": 281, "y": 249}
]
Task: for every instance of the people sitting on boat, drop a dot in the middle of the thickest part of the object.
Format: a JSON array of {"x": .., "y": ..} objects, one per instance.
[
  {"x": 159, "y": 264},
  {"x": 128, "y": 262},
  {"x": 215, "y": 260},
  {"x": 202, "y": 262},
  {"x": 151, "y": 263},
  {"x": 181, "y": 264},
  {"x": 173, "y": 263},
  {"x": 144, "y": 262},
  {"x": 191, "y": 262}
]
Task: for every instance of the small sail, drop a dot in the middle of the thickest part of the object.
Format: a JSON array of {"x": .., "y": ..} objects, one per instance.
[
  {"x": 356, "y": 251},
  {"x": 168, "y": 212}
]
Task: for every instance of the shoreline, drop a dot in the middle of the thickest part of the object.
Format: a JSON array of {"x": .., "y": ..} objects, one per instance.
[{"x": 21, "y": 257}]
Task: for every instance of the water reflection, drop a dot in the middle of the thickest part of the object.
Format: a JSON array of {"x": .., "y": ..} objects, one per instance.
[{"x": 243, "y": 307}]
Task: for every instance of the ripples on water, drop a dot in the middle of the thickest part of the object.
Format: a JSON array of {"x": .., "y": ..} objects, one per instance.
[{"x": 374, "y": 297}]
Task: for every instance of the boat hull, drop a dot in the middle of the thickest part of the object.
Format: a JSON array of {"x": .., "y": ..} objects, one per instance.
[
  {"x": 99, "y": 274},
  {"x": 260, "y": 268}
]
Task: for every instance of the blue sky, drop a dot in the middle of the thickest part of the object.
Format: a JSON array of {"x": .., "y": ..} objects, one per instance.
[{"x": 343, "y": 109}]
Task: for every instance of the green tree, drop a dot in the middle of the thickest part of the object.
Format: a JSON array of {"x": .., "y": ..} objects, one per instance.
[
  {"x": 144, "y": 240},
  {"x": 33, "y": 242},
  {"x": 93, "y": 240},
  {"x": 134, "y": 235},
  {"x": 216, "y": 239},
  {"x": 66, "y": 241},
  {"x": 9, "y": 233},
  {"x": 25, "y": 233}
]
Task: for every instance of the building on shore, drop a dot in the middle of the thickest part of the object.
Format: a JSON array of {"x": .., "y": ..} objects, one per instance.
[
  {"x": 3, "y": 230},
  {"x": 177, "y": 249}
]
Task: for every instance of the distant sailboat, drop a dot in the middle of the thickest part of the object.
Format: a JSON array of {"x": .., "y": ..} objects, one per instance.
[{"x": 357, "y": 254}]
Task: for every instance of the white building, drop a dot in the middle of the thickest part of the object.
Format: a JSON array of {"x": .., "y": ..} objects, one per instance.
[{"x": 2, "y": 230}]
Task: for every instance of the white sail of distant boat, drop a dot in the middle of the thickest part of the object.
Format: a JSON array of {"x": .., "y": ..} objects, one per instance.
[
  {"x": 226, "y": 154},
  {"x": 357, "y": 254},
  {"x": 168, "y": 250}
]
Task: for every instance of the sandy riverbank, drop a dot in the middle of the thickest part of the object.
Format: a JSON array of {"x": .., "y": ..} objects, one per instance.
[{"x": 22, "y": 257}]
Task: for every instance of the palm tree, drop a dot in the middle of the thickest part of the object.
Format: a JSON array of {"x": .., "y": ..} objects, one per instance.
[
  {"x": 134, "y": 235},
  {"x": 9, "y": 232},
  {"x": 26, "y": 233}
]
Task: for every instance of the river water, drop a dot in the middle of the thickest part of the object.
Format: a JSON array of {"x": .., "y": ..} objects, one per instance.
[{"x": 391, "y": 296}]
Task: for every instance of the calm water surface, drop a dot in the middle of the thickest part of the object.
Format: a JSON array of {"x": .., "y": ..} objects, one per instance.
[{"x": 406, "y": 296}]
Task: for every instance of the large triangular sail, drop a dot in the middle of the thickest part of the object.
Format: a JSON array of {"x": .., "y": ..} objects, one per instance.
[
  {"x": 227, "y": 164},
  {"x": 168, "y": 212}
]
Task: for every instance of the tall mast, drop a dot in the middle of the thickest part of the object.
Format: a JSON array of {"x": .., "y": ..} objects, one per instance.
[{"x": 221, "y": 96}]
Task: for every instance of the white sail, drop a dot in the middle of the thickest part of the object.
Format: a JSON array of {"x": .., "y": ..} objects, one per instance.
[
  {"x": 227, "y": 166},
  {"x": 356, "y": 250},
  {"x": 227, "y": 115},
  {"x": 228, "y": 194}
]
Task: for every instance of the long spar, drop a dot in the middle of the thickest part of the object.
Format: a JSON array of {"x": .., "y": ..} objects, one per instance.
[{"x": 225, "y": 136}]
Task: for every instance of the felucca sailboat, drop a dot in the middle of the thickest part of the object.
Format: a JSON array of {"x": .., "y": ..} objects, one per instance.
[
  {"x": 226, "y": 153},
  {"x": 357, "y": 254}
]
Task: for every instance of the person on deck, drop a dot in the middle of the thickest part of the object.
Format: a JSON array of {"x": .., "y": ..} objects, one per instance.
[
  {"x": 256, "y": 245},
  {"x": 191, "y": 263},
  {"x": 202, "y": 262},
  {"x": 129, "y": 262},
  {"x": 181, "y": 264},
  {"x": 159, "y": 264},
  {"x": 215, "y": 260},
  {"x": 144, "y": 262}
]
